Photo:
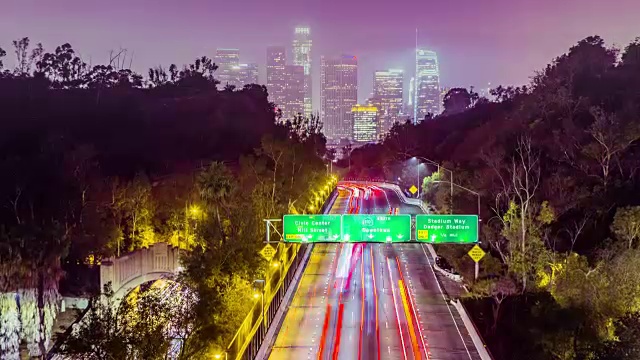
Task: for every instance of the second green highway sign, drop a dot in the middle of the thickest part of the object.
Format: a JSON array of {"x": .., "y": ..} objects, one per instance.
[{"x": 447, "y": 228}]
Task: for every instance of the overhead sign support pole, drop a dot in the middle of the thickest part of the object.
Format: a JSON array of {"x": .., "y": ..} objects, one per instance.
[{"x": 269, "y": 224}]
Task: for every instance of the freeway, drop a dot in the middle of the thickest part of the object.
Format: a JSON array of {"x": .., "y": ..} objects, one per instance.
[{"x": 370, "y": 301}]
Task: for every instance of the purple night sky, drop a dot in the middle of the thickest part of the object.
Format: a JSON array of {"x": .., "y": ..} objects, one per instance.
[{"x": 478, "y": 41}]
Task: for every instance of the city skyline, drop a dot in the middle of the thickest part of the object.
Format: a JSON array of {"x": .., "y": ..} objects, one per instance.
[{"x": 510, "y": 41}]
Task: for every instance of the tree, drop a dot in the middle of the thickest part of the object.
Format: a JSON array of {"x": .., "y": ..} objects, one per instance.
[
  {"x": 2, "y": 54},
  {"x": 62, "y": 67},
  {"x": 521, "y": 246},
  {"x": 626, "y": 224},
  {"x": 498, "y": 290},
  {"x": 140, "y": 207},
  {"x": 99, "y": 336},
  {"x": 145, "y": 319},
  {"x": 456, "y": 100},
  {"x": 198, "y": 75},
  {"x": 215, "y": 186},
  {"x": 626, "y": 346},
  {"x": 22, "y": 61},
  {"x": 631, "y": 55},
  {"x": 157, "y": 76},
  {"x": 101, "y": 77},
  {"x": 141, "y": 327},
  {"x": 611, "y": 136},
  {"x": 308, "y": 131}
]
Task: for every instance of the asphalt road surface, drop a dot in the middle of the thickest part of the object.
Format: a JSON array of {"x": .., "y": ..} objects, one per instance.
[{"x": 370, "y": 301}]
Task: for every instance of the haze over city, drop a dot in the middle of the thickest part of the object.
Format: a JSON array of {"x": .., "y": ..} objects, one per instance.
[{"x": 496, "y": 41}]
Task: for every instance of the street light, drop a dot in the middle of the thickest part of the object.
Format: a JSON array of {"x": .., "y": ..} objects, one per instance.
[
  {"x": 477, "y": 266},
  {"x": 219, "y": 356},
  {"x": 439, "y": 167},
  {"x": 258, "y": 287},
  {"x": 194, "y": 211},
  {"x": 463, "y": 188}
]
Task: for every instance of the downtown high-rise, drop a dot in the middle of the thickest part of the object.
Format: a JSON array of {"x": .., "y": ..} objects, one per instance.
[
  {"x": 302, "y": 57},
  {"x": 387, "y": 97},
  {"x": 231, "y": 71},
  {"x": 285, "y": 83},
  {"x": 227, "y": 60},
  {"x": 276, "y": 62},
  {"x": 365, "y": 124},
  {"x": 427, "y": 85},
  {"x": 294, "y": 92},
  {"x": 338, "y": 96}
]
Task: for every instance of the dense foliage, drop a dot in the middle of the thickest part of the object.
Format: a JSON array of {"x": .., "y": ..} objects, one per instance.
[
  {"x": 97, "y": 161},
  {"x": 556, "y": 165}
]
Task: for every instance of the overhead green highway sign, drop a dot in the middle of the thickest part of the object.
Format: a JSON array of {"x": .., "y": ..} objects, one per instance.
[
  {"x": 311, "y": 228},
  {"x": 461, "y": 229},
  {"x": 376, "y": 228}
]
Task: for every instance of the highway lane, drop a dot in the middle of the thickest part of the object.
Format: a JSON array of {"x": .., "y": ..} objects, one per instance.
[
  {"x": 370, "y": 301},
  {"x": 443, "y": 333},
  {"x": 304, "y": 323}
]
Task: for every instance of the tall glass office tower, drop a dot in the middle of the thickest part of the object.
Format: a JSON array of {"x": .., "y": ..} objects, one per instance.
[
  {"x": 302, "y": 57},
  {"x": 387, "y": 97},
  {"x": 427, "y": 85},
  {"x": 339, "y": 94},
  {"x": 231, "y": 71},
  {"x": 227, "y": 60},
  {"x": 276, "y": 62},
  {"x": 365, "y": 124}
]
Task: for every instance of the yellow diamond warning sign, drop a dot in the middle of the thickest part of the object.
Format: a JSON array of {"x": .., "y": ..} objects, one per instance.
[
  {"x": 413, "y": 189},
  {"x": 476, "y": 253},
  {"x": 268, "y": 252}
]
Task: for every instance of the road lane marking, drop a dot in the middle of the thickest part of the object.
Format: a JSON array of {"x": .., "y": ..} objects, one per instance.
[
  {"x": 395, "y": 306},
  {"x": 446, "y": 303}
]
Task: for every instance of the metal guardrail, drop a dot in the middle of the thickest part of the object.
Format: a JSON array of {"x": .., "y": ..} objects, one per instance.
[
  {"x": 245, "y": 343},
  {"x": 251, "y": 333},
  {"x": 481, "y": 348}
]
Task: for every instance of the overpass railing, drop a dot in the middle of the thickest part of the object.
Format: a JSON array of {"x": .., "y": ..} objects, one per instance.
[{"x": 247, "y": 340}]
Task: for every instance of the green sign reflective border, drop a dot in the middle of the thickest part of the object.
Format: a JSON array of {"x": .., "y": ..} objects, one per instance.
[
  {"x": 311, "y": 228},
  {"x": 376, "y": 228},
  {"x": 461, "y": 229}
]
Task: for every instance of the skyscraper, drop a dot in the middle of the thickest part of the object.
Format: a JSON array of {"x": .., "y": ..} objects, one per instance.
[
  {"x": 302, "y": 57},
  {"x": 293, "y": 92},
  {"x": 387, "y": 96},
  {"x": 227, "y": 60},
  {"x": 427, "y": 87},
  {"x": 245, "y": 74},
  {"x": 412, "y": 97},
  {"x": 276, "y": 62},
  {"x": 365, "y": 124},
  {"x": 231, "y": 71},
  {"x": 339, "y": 94},
  {"x": 285, "y": 83}
]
